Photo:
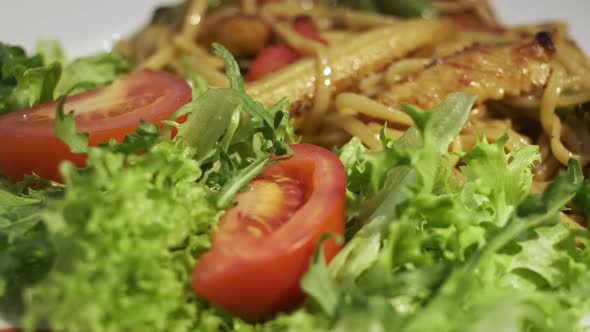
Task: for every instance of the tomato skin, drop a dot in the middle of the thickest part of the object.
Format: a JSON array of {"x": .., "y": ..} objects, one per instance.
[
  {"x": 27, "y": 141},
  {"x": 257, "y": 277},
  {"x": 278, "y": 56},
  {"x": 271, "y": 59},
  {"x": 306, "y": 27}
]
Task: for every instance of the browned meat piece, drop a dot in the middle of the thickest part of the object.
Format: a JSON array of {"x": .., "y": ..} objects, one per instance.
[
  {"x": 243, "y": 35},
  {"x": 490, "y": 72}
]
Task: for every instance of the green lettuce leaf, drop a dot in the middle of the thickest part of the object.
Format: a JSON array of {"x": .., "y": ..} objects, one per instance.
[
  {"x": 26, "y": 254},
  {"x": 50, "y": 50},
  {"x": 95, "y": 70},
  {"x": 435, "y": 253},
  {"x": 135, "y": 225},
  {"x": 24, "y": 80}
]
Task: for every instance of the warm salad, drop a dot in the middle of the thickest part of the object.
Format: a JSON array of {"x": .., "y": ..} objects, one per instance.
[{"x": 154, "y": 188}]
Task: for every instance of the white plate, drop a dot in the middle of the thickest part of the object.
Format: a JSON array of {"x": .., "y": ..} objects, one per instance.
[{"x": 86, "y": 26}]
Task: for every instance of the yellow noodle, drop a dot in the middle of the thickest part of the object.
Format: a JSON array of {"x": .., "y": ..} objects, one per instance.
[
  {"x": 350, "y": 59},
  {"x": 337, "y": 36},
  {"x": 323, "y": 83},
  {"x": 289, "y": 10},
  {"x": 551, "y": 122},
  {"x": 577, "y": 80},
  {"x": 371, "y": 85},
  {"x": 158, "y": 60},
  {"x": 192, "y": 48},
  {"x": 403, "y": 68},
  {"x": 373, "y": 109},
  {"x": 547, "y": 168},
  {"x": 356, "y": 128},
  {"x": 376, "y": 128},
  {"x": 191, "y": 24},
  {"x": 214, "y": 77},
  {"x": 562, "y": 100},
  {"x": 362, "y": 20},
  {"x": 576, "y": 137}
]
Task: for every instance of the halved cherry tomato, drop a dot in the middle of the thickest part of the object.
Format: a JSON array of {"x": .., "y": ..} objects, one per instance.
[
  {"x": 264, "y": 244},
  {"x": 27, "y": 140}
]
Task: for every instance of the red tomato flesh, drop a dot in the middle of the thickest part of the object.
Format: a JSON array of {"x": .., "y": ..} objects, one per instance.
[
  {"x": 27, "y": 141},
  {"x": 275, "y": 57},
  {"x": 264, "y": 244},
  {"x": 271, "y": 59},
  {"x": 306, "y": 27}
]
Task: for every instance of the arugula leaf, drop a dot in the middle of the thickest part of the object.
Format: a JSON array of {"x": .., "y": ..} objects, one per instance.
[
  {"x": 95, "y": 70},
  {"x": 258, "y": 113},
  {"x": 209, "y": 117},
  {"x": 198, "y": 84},
  {"x": 36, "y": 86},
  {"x": 25, "y": 81},
  {"x": 65, "y": 129},
  {"x": 136, "y": 224},
  {"x": 146, "y": 135}
]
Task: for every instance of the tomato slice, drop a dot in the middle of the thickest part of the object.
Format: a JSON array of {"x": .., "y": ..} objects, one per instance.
[
  {"x": 264, "y": 244},
  {"x": 27, "y": 140}
]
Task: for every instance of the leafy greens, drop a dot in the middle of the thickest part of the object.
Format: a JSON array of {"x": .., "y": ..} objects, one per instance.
[
  {"x": 126, "y": 231},
  {"x": 29, "y": 80},
  {"x": 430, "y": 250},
  {"x": 429, "y": 246}
]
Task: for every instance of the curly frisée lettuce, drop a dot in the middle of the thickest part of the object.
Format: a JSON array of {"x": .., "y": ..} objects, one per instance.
[
  {"x": 123, "y": 238},
  {"x": 433, "y": 251},
  {"x": 428, "y": 246}
]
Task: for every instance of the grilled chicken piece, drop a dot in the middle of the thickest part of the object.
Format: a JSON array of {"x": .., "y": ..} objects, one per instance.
[
  {"x": 368, "y": 53},
  {"x": 490, "y": 72}
]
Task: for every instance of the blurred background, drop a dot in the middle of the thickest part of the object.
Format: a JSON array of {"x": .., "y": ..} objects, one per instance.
[{"x": 86, "y": 26}]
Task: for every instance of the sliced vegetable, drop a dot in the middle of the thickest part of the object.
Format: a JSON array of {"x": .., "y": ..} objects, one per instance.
[
  {"x": 271, "y": 59},
  {"x": 28, "y": 141},
  {"x": 264, "y": 244},
  {"x": 350, "y": 59},
  {"x": 306, "y": 27},
  {"x": 25, "y": 80},
  {"x": 94, "y": 70},
  {"x": 275, "y": 57}
]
